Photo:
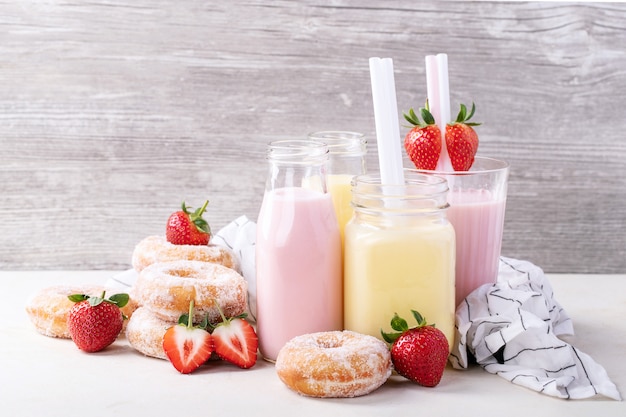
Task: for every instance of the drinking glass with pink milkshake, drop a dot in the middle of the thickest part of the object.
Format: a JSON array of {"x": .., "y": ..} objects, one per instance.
[{"x": 477, "y": 201}]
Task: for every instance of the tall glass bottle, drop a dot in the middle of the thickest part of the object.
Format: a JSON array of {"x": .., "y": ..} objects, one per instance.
[
  {"x": 347, "y": 152},
  {"x": 298, "y": 248},
  {"x": 399, "y": 254}
]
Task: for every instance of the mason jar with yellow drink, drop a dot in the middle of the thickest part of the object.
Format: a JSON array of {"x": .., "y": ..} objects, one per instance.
[{"x": 399, "y": 254}]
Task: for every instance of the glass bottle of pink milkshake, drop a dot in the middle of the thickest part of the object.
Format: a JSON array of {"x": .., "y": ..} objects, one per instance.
[{"x": 298, "y": 248}]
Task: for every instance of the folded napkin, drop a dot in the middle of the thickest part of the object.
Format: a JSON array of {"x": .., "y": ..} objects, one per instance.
[
  {"x": 122, "y": 281},
  {"x": 240, "y": 236},
  {"x": 511, "y": 328}
]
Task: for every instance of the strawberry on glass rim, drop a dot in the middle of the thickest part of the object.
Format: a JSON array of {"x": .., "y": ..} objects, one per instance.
[
  {"x": 462, "y": 140},
  {"x": 423, "y": 142},
  {"x": 188, "y": 228}
]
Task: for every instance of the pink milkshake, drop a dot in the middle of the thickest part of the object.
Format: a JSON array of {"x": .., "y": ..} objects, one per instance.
[
  {"x": 477, "y": 201},
  {"x": 298, "y": 250},
  {"x": 478, "y": 221}
]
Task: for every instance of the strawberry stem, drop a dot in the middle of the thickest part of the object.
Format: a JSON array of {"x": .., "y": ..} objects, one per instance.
[
  {"x": 224, "y": 319},
  {"x": 190, "y": 316},
  {"x": 199, "y": 212},
  {"x": 196, "y": 218}
]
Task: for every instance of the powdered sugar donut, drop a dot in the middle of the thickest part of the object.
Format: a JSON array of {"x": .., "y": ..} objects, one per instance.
[
  {"x": 155, "y": 249},
  {"x": 145, "y": 331},
  {"x": 167, "y": 288},
  {"x": 334, "y": 364},
  {"x": 49, "y": 307}
]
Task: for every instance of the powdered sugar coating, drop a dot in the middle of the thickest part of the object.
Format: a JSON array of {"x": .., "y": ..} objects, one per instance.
[
  {"x": 167, "y": 288},
  {"x": 145, "y": 331},
  {"x": 334, "y": 364},
  {"x": 155, "y": 249}
]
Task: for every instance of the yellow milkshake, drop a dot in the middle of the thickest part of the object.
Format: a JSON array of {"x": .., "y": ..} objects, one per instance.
[
  {"x": 339, "y": 189},
  {"x": 399, "y": 256}
]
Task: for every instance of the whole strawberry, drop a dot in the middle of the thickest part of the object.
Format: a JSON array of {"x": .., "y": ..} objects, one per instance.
[
  {"x": 423, "y": 142},
  {"x": 95, "y": 322},
  {"x": 462, "y": 140},
  {"x": 188, "y": 228},
  {"x": 420, "y": 353}
]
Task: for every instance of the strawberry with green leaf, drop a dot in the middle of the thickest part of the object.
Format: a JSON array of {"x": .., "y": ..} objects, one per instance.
[
  {"x": 419, "y": 353},
  {"x": 95, "y": 322},
  {"x": 188, "y": 346},
  {"x": 188, "y": 228},
  {"x": 462, "y": 140},
  {"x": 423, "y": 142}
]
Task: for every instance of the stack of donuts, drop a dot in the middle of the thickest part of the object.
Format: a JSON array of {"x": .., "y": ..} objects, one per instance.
[{"x": 170, "y": 277}]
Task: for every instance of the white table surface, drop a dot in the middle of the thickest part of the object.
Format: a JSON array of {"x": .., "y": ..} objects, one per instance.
[{"x": 51, "y": 377}]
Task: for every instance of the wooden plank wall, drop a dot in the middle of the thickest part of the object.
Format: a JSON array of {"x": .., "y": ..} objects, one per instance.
[{"x": 113, "y": 111}]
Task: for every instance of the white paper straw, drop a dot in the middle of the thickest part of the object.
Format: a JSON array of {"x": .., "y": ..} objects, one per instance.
[
  {"x": 444, "y": 163},
  {"x": 444, "y": 89},
  {"x": 432, "y": 87},
  {"x": 438, "y": 90},
  {"x": 386, "y": 118}
]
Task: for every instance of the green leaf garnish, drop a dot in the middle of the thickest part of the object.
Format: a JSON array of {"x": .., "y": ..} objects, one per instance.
[{"x": 119, "y": 300}]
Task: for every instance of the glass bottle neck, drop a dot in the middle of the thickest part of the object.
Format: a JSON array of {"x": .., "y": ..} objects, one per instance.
[
  {"x": 346, "y": 149},
  {"x": 297, "y": 163}
]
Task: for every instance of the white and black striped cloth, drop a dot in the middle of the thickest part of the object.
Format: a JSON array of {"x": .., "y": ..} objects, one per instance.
[{"x": 511, "y": 329}]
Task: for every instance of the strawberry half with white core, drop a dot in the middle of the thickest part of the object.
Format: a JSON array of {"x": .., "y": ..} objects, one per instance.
[
  {"x": 236, "y": 341},
  {"x": 420, "y": 353},
  {"x": 188, "y": 346},
  {"x": 188, "y": 228},
  {"x": 462, "y": 140},
  {"x": 423, "y": 142},
  {"x": 95, "y": 322}
]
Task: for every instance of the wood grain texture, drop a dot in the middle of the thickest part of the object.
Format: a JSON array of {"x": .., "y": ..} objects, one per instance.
[{"x": 112, "y": 112}]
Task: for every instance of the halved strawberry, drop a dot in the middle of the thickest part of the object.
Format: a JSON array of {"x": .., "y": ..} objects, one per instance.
[
  {"x": 236, "y": 341},
  {"x": 188, "y": 346},
  {"x": 462, "y": 140},
  {"x": 423, "y": 142}
]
